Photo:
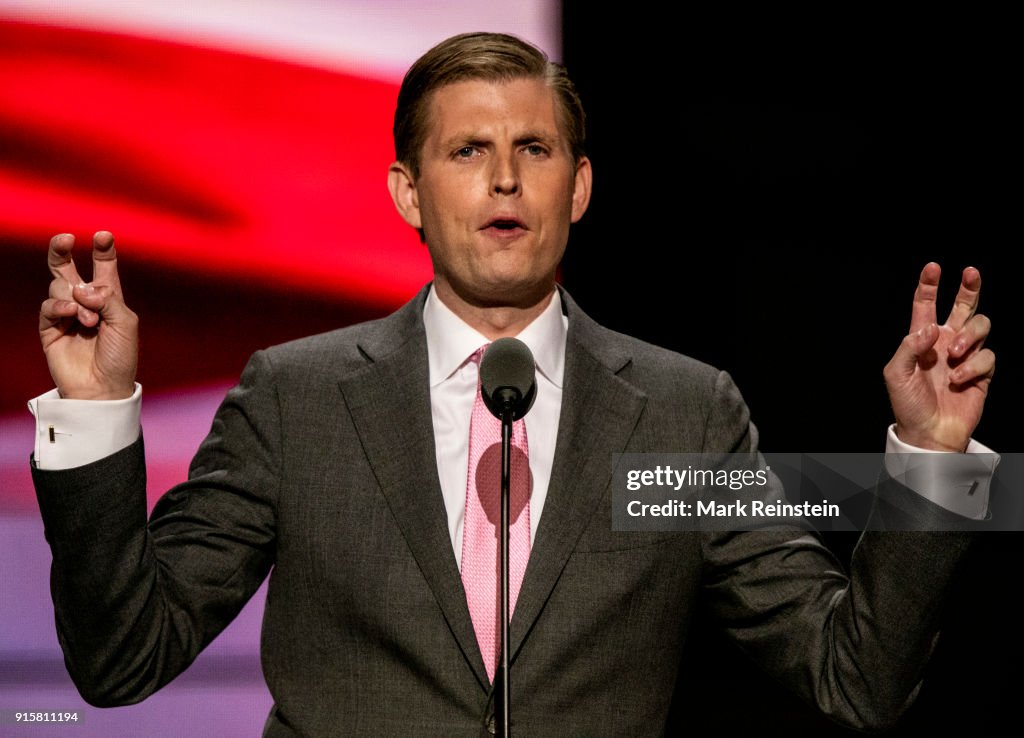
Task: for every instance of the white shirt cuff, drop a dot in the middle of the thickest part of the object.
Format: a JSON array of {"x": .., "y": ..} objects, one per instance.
[
  {"x": 958, "y": 482},
  {"x": 72, "y": 433}
]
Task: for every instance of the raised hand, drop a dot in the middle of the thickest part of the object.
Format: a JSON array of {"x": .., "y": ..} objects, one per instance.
[
  {"x": 939, "y": 376},
  {"x": 89, "y": 336}
]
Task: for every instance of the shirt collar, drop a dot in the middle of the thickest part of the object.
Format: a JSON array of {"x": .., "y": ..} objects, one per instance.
[{"x": 451, "y": 341}]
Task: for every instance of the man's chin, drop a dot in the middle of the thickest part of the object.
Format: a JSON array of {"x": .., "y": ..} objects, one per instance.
[{"x": 504, "y": 292}]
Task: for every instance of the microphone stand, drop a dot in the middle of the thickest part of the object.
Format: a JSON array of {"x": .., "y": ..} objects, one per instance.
[{"x": 503, "y": 698}]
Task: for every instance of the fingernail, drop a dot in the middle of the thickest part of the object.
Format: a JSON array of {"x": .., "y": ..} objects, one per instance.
[
  {"x": 955, "y": 375},
  {"x": 87, "y": 288},
  {"x": 959, "y": 346}
]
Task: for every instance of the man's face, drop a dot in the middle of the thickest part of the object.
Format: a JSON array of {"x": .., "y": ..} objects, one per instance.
[{"x": 496, "y": 192}]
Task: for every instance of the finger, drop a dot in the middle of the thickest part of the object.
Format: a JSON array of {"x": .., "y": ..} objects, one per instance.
[
  {"x": 61, "y": 289},
  {"x": 97, "y": 301},
  {"x": 87, "y": 317},
  {"x": 53, "y": 311},
  {"x": 59, "y": 258},
  {"x": 923, "y": 312},
  {"x": 972, "y": 335},
  {"x": 966, "y": 299},
  {"x": 104, "y": 259},
  {"x": 904, "y": 362},
  {"x": 981, "y": 365}
]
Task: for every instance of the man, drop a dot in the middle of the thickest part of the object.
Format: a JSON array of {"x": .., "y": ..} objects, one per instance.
[{"x": 340, "y": 463}]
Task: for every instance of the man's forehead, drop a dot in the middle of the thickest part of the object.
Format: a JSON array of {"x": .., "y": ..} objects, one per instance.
[{"x": 476, "y": 106}]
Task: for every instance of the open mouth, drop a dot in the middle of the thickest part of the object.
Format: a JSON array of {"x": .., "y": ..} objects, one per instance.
[{"x": 504, "y": 225}]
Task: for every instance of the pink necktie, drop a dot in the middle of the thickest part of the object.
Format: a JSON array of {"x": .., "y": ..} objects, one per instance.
[{"x": 481, "y": 558}]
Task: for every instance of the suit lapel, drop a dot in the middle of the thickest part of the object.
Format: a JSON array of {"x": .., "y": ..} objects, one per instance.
[
  {"x": 389, "y": 403},
  {"x": 599, "y": 413}
]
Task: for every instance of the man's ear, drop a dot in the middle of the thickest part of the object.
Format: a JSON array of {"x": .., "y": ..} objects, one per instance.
[
  {"x": 581, "y": 189},
  {"x": 403, "y": 193}
]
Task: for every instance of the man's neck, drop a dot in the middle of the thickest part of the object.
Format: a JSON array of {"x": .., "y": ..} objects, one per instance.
[{"x": 492, "y": 321}]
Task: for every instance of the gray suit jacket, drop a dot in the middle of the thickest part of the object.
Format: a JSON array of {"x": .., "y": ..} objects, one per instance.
[{"x": 320, "y": 469}]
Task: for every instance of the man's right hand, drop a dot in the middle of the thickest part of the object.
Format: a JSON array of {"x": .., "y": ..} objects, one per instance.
[{"x": 89, "y": 336}]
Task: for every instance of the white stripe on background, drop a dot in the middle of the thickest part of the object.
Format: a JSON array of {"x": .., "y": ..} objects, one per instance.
[{"x": 378, "y": 38}]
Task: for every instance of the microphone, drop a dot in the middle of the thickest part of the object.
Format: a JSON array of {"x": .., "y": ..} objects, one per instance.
[
  {"x": 508, "y": 378},
  {"x": 508, "y": 385}
]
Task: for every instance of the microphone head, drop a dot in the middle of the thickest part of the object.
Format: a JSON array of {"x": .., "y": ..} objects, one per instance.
[{"x": 508, "y": 377}]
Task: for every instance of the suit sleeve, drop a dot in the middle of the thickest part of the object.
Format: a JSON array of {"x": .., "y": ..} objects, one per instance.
[
  {"x": 854, "y": 645},
  {"x": 136, "y": 601}
]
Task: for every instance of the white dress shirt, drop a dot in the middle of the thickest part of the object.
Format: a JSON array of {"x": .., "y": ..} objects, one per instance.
[
  {"x": 72, "y": 433},
  {"x": 453, "y": 385}
]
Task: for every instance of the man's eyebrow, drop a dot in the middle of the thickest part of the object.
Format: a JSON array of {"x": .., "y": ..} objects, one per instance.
[
  {"x": 463, "y": 139},
  {"x": 472, "y": 138},
  {"x": 544, "y": 137}
]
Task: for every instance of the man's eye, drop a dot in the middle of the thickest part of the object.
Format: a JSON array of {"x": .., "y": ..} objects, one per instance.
[
  {"x": 465, "y": 152},
  {"x": 535, "y": 150}
]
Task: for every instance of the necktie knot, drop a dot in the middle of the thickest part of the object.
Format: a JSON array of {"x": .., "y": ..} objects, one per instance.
[{"x": 477, "y": 356}]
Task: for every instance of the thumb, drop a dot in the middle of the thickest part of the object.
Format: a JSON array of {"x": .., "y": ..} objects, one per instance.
[
  {"x": 101, "y": 299},
  {"x": 904, "y": 362}
]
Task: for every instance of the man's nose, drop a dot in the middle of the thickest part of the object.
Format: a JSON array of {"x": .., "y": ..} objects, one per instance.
[{"x": 505, "y": 175}]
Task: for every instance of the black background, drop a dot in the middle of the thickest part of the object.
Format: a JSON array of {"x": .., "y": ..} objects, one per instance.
[{"x": 766, "y": 193}]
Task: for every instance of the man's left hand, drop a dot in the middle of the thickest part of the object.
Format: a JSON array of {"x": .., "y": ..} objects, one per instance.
[{"x": 939, "y": 376}]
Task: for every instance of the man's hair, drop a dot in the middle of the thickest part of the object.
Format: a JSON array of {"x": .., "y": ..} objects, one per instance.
[{"x": 491, "y": 57}]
